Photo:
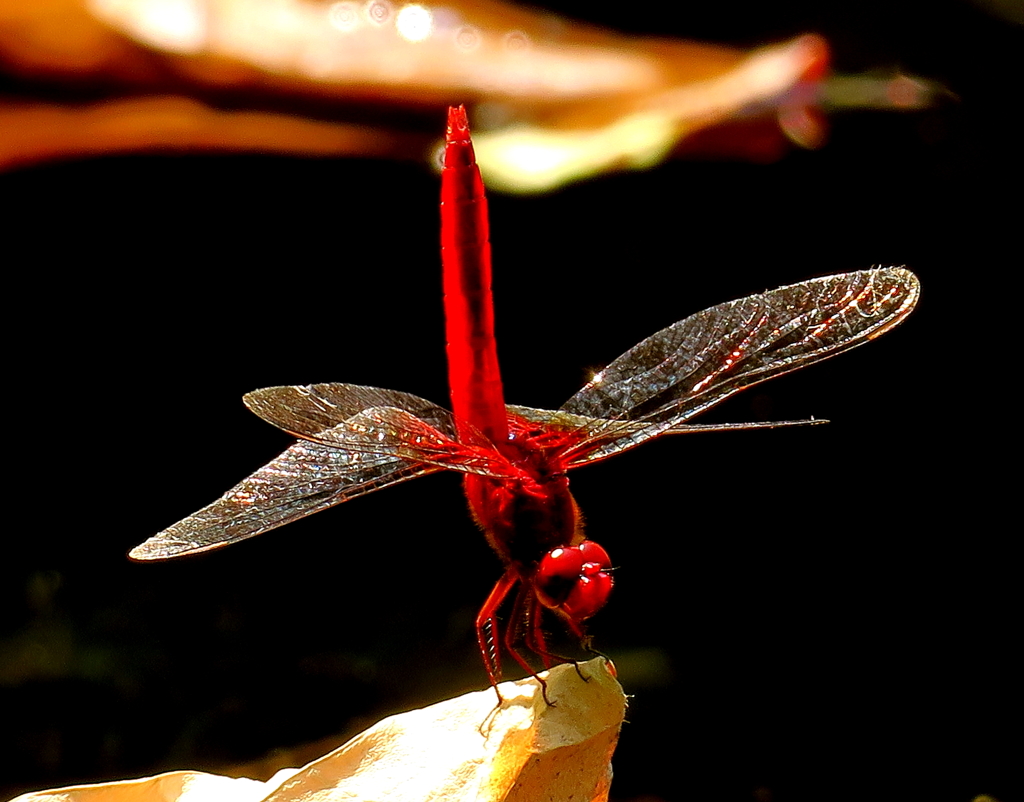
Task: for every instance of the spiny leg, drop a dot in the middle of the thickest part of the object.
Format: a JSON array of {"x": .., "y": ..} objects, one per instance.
[
  {"x": 487, "y": 636},
  {"x": 519, "y": 617},
  {"x": 534, "y": 635},
  {"x": 589, "y": 648},
  {"x": 536, "y": 643}
]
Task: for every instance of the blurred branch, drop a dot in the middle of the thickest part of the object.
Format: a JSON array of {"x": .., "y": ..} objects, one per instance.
[{"x": 553, "y": 101}]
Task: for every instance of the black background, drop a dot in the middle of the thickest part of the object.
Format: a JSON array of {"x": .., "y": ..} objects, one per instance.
[{"x": 816, "y": 614}]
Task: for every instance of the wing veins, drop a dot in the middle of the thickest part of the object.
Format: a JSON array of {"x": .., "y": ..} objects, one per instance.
[
  {"x": 746, "y": 342},
  {"x": 305, "y": 479}
]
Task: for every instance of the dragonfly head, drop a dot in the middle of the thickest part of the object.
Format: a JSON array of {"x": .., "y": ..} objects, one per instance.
[{"x": 574, "y": 580}]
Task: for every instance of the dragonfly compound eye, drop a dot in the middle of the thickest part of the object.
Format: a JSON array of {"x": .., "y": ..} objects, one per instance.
[{"x": 574, "y": 580}]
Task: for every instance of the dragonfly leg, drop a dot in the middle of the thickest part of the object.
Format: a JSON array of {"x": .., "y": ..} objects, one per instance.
[
  {"x": 534, "y": 637},
  {"x": 520, "y": 629},
  {"x": 589, "y": 647},
  {"x": 487, "y": 636},
  {"x": 536, "y": 642}
]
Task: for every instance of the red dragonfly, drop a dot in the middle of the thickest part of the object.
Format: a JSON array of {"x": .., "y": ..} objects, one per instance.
[{"x": 515, "y": 459}]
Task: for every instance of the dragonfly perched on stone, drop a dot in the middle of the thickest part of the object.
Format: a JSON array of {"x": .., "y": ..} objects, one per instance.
[{"x": 515, "y": 460}]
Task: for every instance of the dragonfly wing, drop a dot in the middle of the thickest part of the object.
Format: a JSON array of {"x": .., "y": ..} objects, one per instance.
[
  {"x": 594, "y": 432},
  {"x": 559, "y": 420},
  {"x": 371, "y": 420},
  {"x": 310, "y": 410},
  {"x": 305, "y": 479},
  {"x": 694, "y": 364}
]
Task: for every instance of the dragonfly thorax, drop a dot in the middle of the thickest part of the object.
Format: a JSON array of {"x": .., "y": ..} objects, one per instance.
[{"x": 524, "y": 518}]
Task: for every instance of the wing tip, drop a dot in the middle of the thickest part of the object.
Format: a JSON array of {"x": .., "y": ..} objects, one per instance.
[
  {"x": 144, "y": 552},
  {"x": 906, "y": 276},
  {"x": 910, "y": 292},
  {"x": 147, "y": 552},
  {"x": 159, "y": 548}
]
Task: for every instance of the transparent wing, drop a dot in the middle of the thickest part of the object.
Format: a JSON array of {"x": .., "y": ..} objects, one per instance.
[
  {"x": 374, "y": 421},
  {"x": 585, "y": 428},
  {"x": 305, "y": 479},
  {"x": 355, "y": 440},
  {"x": 694, "y": 364},
  {"x": 313, "y": 409}
]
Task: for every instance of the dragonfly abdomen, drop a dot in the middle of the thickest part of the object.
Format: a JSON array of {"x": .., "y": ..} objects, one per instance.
[{"x": 474, "y": 375}]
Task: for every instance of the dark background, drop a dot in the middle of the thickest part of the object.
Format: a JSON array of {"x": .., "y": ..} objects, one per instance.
[{"x": 816, "y": 614}]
